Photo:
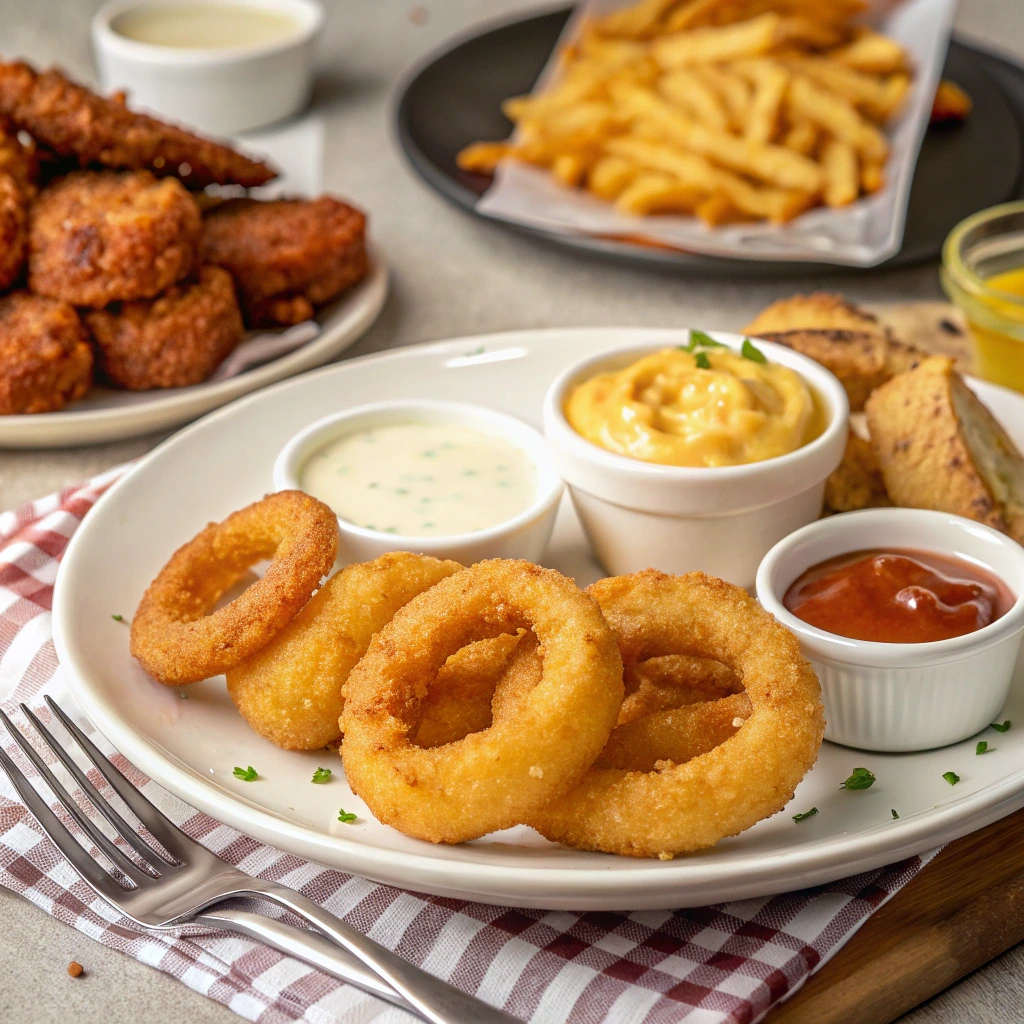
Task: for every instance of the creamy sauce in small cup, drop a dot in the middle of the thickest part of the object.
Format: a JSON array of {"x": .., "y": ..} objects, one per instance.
[
  {"x": 204, "y": 26},
  {"x": 422, "y": 479}
]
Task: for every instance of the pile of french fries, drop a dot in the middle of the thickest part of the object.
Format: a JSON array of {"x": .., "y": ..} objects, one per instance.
[{"x": 730, "y": 110}]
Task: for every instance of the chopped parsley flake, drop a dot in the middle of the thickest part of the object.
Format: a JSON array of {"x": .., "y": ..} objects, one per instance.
[
  {"x": 321, "y": 775},
  {"x": 892, "y": 811},
  {"x": 806, "y": 814},
  {"x": 754, "y": 354},
  {"x": 951, "y": 777},
  {"x": 246, "y": 774},
  {"x": 983, "y": 748},
  {"x": 1001, "y": 726},
  {"x": 703, "y": 363},
  {"x": 860, "y": 779},
  {"x": 117, "y": 618},
  {"x": 345, "y": 817}
]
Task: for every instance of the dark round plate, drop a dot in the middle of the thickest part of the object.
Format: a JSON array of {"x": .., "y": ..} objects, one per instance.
[{"x": 455, "y": 99}]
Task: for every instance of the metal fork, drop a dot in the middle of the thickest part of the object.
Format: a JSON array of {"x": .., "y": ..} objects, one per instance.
[{"x": 162, "y": 892}]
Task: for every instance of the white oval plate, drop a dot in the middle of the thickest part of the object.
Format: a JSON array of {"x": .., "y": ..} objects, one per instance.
[
  {"x": 108, "y": 414},
  {"x": 191, "y": 746}
]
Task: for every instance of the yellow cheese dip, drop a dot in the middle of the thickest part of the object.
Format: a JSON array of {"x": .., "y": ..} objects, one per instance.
[
  {"x": 666, "y": 408},
  {"x": 422, "y": 479}
]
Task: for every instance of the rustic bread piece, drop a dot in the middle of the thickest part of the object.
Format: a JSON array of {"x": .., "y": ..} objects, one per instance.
[
  {"x": 857, "y": 481},
  {"x": 938, "y": 447},
  {"x": 820, "y": 311},
  {"x": 857, "y": 358}
]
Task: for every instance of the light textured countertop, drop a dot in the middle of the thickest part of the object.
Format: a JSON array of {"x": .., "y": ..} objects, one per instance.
[{"x": 453, "y": 275}]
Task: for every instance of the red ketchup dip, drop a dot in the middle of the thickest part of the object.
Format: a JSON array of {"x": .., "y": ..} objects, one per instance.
[{"x": 896, "y": 596}]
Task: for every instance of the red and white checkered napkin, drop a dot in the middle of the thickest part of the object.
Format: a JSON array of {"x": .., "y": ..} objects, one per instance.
[{"x": 725, "y": 963}]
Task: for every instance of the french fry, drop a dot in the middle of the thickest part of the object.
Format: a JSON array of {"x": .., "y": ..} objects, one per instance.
[
  {"x": 719, "y": 209},
  {"x": 713, "y": 44},
  {"x": 774, "y": 164},
  {"x": 770, "y": 81},
  {"x": 877, "y": 97},
  {"x": 871, "y": 51},
  {"x": 635, "y": 22},
  {"x": 872, "y": 176},
  {"x": 610, "y": 175},
  {"x": 802, "y": 136},
  {"x": 951, "y": 103},
  {"x": 777, "y": 205},
  {"x": 837, "y": 116},
  {"x": 483, "y": 157},
  {"x": 807, "y": 32},
  {"x": 692, "y": 94},
  {"x": 733, "y": 90},
  {"x": 658, "y": 193},
  {"x": 842, "y": 173},
  {"x": 569, "y": 169},
  {"x": 723, "y": 12}
]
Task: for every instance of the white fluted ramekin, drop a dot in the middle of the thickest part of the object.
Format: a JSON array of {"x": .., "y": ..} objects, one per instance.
[
  {"x": 523, "y": 536},
  {"x": 719, "y": 520},
  {"x": 903, "y": 697}
]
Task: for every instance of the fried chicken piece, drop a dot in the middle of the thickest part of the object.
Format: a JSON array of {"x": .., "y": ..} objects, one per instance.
[
  {"x": 938, "y": 447},
  {"x": 20, "y": 160},
  {"x": 178, "y": 338},
  {"x": 97, "y": 238},
  {"x": 45, "y": 357},
  {"x": 73, "y": 121},
  {"x": 857, "y": 481},
  {"x": 13, "y": 230},
  {"x": 287, "y": 256}
]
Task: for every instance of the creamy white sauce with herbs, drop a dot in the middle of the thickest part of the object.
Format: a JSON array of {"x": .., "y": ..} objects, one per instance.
[{"x": 422, "y": 479}]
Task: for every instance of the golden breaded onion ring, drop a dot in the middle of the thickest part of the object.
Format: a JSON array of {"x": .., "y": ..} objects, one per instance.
[
  {"x": 175, "y": 634},
  {"x": 290, "y": 691},
  {"x": 491, "y": 779},
  {"x": 751, "y": 775}
]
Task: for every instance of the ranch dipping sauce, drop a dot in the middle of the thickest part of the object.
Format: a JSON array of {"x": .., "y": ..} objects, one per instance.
[
  {"x": 422, "y": 479},
  {"x": 204, "y": 26}
]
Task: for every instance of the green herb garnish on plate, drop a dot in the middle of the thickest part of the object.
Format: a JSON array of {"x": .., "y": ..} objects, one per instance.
[
  {"x": 951, "y": 777},
  {"x": 1001, "y": 726},
  {"x": 806, "y": 814},
  {"x": 892, "y": 811},
  {"x": 321, "y": 775},
  {"x": 860, "y": 779},
  {"x": 983, "y": 747},
  {"x": 246, "y": 774},
  {"x": 345, "y": 817}
]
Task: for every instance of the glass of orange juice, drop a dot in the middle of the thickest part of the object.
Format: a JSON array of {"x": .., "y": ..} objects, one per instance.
[{"x": 983, "y": 273}]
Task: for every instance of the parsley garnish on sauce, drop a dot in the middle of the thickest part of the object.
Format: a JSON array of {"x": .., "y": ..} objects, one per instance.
[
  {"x": 749, "y": 351},
  {"x": 703, "y": 363},
  {"x": 860, "y": 779}
]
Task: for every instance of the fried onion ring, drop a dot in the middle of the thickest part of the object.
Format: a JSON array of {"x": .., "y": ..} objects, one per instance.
[
  {"x": 672, "y": 680},
  {"x": 175, "y": 634},
  {"x": 683, "y": 807},
  {"x": 290, "y": 691},
  {"x": 491, "y": 779}
]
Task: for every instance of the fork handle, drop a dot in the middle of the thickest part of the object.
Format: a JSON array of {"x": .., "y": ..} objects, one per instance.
[
  {"x": 309, "y": 947},
  {"x": 433, "y": 999}
]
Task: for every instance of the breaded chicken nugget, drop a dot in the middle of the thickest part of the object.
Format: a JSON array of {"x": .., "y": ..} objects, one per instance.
[
  {"x": 938, "y": 447},
  {"x": 820, "y": 311},
  {"x": 73, "y": 121},
  {"x": 176, "y": 339},
  {"x": 45, "y": 357},
  {"x": 857, "y": 481},
  {"x": 19, "y": 159},
  {"x": 287, "y": 256},
  {"x": 97, "y": 238},
  {"x": 13, "y": 230}
]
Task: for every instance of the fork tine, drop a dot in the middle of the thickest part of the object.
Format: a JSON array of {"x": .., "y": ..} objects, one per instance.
[
  {"x": 107, "y": 886},
  {"x": 174, "y": 840},
  {"x": 123, "y": 829},
  {"x": 117, "y": 857}
]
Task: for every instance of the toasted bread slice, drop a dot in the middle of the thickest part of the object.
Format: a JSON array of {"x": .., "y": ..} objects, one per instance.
[
  {"x": 857, "y": 358},
  {"x": 857, "y": 481},
  {"x": 818, "y": 312},
  {"x": 938, "y": 447}
]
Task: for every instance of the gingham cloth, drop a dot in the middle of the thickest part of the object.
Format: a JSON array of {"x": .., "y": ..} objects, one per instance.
[{"x": 726, "y": 963}]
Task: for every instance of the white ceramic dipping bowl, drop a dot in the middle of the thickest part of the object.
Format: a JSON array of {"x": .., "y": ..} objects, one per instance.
[
  {"x": 524, "y": 536},
  {"x": 680, "y": 519},
  {"x": 903, "y": 697},
  {"x": 221, "y": 90}
]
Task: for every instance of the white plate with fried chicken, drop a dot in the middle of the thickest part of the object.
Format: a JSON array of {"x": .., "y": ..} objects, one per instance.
[{"x": 133, "y": 300}]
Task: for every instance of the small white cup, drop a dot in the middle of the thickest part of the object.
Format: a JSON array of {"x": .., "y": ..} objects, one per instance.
[
  {"x": 524, "y": 536},
  {"x": 719, "y": 520},
  {"x": 220, "y": 90},
  {"x": 903, "y": 697}
]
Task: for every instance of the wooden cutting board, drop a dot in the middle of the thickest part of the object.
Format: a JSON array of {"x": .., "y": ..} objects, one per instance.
[
  {"x": 967, "y": 906},
  {"x": 963, "y": 909}
]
